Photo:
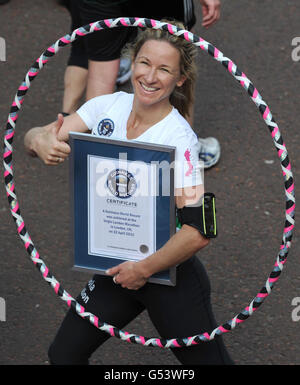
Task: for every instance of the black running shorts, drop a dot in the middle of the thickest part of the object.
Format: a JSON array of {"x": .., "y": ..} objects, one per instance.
[{"x": 107, "y": 44}]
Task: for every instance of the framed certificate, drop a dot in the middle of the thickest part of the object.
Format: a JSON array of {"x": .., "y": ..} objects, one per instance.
[{"x": 122, "y": 202}]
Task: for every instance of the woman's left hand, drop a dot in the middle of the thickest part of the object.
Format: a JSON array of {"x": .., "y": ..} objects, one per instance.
[{"x": 128, "y": 275}]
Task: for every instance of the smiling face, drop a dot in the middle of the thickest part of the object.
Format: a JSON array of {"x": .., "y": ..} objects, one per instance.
[{"x": 156, "y": 72}]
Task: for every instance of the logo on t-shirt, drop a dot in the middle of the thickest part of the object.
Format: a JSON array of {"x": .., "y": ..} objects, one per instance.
[
  {"x": 187, "y": 156},
  {"x": 121, "y": 183},
  {"x": 106, "y": 127}
]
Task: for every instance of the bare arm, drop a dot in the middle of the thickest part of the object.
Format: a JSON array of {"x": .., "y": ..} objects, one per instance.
[
  {"x": 181, "y": 246},
  {"x": 49, "y": 142}
]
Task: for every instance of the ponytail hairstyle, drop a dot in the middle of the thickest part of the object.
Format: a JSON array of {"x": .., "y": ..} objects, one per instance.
[{"x": 182, "y": 97}]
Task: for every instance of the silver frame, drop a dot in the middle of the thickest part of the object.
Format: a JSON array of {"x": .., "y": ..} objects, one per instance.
[{"x": 171, "y": 281}]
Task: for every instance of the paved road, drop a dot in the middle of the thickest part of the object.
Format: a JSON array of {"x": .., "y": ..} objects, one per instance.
[{"x": 257, "y": 36}]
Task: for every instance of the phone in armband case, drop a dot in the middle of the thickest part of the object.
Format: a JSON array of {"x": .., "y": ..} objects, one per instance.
[
  {"x": 209, "y": 215},
  {"x": 202, "y": 217}
]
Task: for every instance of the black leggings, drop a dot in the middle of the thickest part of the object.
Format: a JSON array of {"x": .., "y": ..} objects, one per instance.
[{"x": 180, "y": 311}]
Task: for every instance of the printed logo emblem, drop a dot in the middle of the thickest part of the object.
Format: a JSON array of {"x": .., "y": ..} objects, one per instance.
[
  {"x": 187, "y": 156},
  {"x": 106, "y": 127},
  {"x": 121, "y": 183}
]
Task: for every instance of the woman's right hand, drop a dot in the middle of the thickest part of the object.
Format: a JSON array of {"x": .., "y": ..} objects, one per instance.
[{"x": 44, "y": 143}]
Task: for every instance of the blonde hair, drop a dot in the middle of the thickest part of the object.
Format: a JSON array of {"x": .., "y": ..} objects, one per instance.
[{"x": 182, "y": 97}]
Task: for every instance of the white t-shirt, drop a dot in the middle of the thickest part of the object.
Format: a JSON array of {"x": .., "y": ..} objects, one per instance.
[{"x": 107, "y": 116}]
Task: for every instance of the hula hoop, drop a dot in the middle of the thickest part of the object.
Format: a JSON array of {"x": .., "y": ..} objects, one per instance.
[{"x": 277, "y": 139}]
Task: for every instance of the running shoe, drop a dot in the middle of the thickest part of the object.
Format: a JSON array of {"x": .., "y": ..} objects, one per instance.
[
  {"x": 124, "y": 71},
  {"x": 209, "y": 151}
]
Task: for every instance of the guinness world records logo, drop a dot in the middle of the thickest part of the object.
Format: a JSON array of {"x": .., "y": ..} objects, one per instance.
[
  {"x": 121, "y": 183},
  {"x": 105, "y": 127}
]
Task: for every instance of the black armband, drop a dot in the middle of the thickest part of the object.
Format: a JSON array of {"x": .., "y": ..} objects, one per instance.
[{"x": 202, "y": 217}]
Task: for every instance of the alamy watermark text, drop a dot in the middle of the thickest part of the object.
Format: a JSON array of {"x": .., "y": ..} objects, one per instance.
[
  {"x": 2, "y": 309},
  {"x": 2, "y": 49}
]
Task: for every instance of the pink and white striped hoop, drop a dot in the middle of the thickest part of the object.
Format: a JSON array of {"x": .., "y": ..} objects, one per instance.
[{"x": 277, "y": 140}]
